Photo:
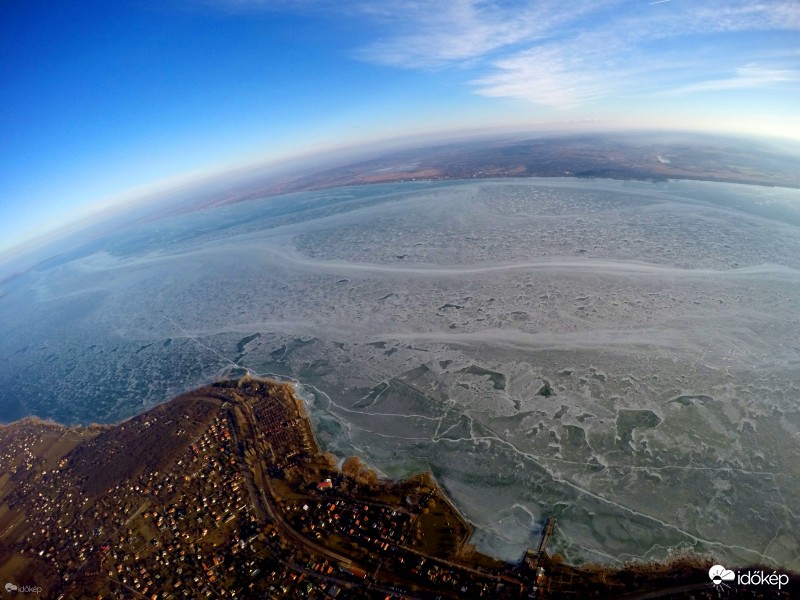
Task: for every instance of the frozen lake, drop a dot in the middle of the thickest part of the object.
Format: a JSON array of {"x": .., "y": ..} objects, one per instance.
[{"x": 622, "y": 355}]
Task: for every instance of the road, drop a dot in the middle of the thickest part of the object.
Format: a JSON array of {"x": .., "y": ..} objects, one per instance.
[{"x": 265, "y": 499}]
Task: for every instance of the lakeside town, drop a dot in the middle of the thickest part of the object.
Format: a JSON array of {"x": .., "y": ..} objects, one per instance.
[{"x": 225, "y": 493}]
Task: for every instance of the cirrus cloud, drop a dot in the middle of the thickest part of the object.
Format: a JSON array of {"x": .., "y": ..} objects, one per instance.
[{"x": 568, "y": 55}]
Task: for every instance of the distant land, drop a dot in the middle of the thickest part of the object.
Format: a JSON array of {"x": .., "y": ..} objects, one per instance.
[
  {"x": 642, "y": 156},
  {"x": 639, "y": 156},
  {"x": 224, "y": 492}
]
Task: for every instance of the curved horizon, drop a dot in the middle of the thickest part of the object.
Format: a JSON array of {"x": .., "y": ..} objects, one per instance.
[{"x": 105, "y": 105}]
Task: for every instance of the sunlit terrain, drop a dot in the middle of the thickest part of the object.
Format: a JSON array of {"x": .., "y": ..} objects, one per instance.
[
  {"x": 459, "y": 299},
  {"x": 622, "y": 355}
]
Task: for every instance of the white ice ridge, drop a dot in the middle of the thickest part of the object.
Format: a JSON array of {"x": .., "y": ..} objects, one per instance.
[
  {"x": 274, "y": 252},
  {"x": 564, "y": 263},
  {"x": 523, "y": 340}
]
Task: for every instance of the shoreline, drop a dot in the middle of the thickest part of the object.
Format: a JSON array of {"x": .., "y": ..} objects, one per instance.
[{"x": 678, "y": 559}]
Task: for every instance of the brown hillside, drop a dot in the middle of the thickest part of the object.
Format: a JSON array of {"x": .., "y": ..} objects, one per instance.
[{"x": 148, "y": 441}]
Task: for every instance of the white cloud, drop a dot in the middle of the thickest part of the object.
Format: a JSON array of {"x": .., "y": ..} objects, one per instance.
[
  {"x": 749, "y": 76},
  {"x": 438, "y": 34},
  {"x": 748, "y": 16},
  {"x": 565, "y": 55},
  {"x": 545, "y": 76}
]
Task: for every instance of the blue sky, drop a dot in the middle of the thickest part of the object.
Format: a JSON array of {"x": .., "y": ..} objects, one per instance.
[{"x": 101, "y": 101}]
